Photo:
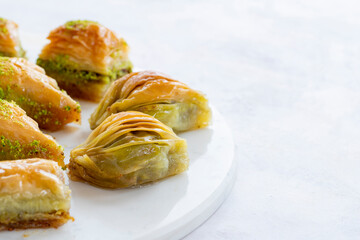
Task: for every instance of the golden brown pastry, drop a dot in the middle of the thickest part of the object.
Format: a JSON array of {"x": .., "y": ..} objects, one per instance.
[
  {"x": 10, "y": 45},
  {"x": 85, "y": 57},
  {"x": 33, "y": 195},
  {"x": 156, "y": 94},
  {"x": 127, "y": 149},
  {"x": 39, "y": 95},
  {"x": 20, "y": 136}
]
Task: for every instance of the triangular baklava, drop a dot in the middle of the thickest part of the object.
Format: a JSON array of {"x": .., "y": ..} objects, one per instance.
[
  {"x": 20, "y": 136},
  {"x": 39, "y": 95}
]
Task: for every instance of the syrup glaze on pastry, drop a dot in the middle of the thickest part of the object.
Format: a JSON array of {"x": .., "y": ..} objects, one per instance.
[
  {"x": 170, "y": 101},
  {"x": 85, "y": 57},
  {"x": 33, "y": 194},
  {"x": 20, "y": 136},
  {"x": 128, "y": 149},
  {"x": 39, "y": 95},
  {"x": 10, "y": 45}
]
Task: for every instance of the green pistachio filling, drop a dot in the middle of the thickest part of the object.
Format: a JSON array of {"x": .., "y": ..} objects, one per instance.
[
  {"x": 20, "y": 53},
  {"x": 178, "y": 116},
  {"x": 6, "y": 54},
  {"x": 69, "y": 70},
  {"x": 132, "y": 159},
  {"x": 27, "y": 209}
]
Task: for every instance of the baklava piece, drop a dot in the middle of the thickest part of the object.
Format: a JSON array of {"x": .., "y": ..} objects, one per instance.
[
  {"x": 153, "y": 93},
  {"x": 10, "y": 45},
  {"x": 85, "y": 57},
  {"x": 128, "y": 149},
  {"x": 39, "y": 95},
  {"x": 20, "y": 136},
  {"x": 33, "y": 195}
]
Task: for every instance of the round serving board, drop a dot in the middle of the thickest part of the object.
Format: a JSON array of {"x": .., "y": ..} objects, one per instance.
[{"x": 168, "y": 209}]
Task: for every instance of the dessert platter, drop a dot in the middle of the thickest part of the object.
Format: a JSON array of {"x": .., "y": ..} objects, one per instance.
[{"x": 91, "y": 148}]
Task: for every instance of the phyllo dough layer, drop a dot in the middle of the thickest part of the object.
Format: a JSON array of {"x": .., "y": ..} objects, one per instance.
[
  {"x": 39, "y": 95},
  {"x": 84, "y": 57},
  {"x": 20, "y": 136},
  {"x": 33, "y": 194},
  {"x": 127, "y": 149},
  {"x": 10, "y": 45},
  {"x": 153, "y": 93}
]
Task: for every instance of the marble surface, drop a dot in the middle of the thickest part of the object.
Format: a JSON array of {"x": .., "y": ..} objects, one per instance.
[{"x": 285, "y": 75}]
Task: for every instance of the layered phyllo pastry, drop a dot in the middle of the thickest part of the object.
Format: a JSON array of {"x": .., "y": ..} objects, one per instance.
[
  {"x": 170, "y": 101},
  {"x": 20, "y": 136},
  {"x": 10, "y": 45},
  {"x": 128, "y": 149},
  {"x": 85, "y": 57},
  {"x": 33, "y": 195},
  {"x": 39, "y": 95}
]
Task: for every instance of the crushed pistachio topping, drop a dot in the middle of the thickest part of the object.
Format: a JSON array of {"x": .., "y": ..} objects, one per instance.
[
  {"x": 42, "y": 113},
  {"x": 6, "y": 69},
  {"x": 6, "y": 111},
  {"x": 5, "y": 108},
  {"x": 38, "y": 111},
  {"x": 20, "y": 53},
  {"x": 15, "y": 150},
  {"x": 79, "y": 24},
  {"x": 3, "y": 28}
]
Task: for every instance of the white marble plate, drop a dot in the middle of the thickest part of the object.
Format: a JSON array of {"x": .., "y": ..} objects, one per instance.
[{"x": 169, "y": 209}]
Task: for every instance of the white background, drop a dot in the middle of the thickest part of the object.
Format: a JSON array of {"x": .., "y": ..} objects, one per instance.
[{"x": 285, "y": 74}]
